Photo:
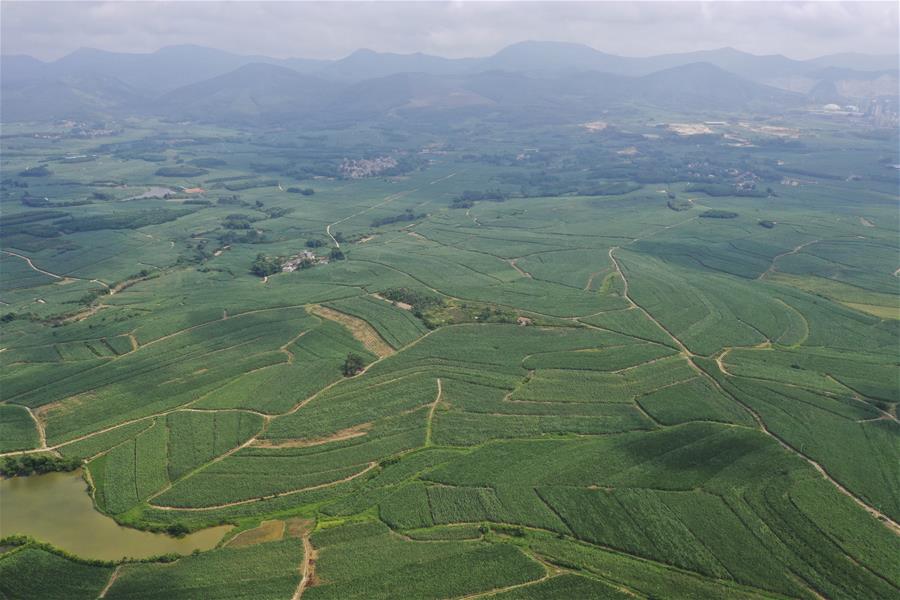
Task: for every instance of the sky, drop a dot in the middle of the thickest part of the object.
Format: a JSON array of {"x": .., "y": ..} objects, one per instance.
[{"x": 48, "y": 30}]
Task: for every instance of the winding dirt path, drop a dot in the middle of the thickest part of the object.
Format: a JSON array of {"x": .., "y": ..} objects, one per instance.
[
  {"x": 434, "y": 405},
  {"x": 520, "y": 270},
  {"x": 771, "y": 268},
  {"x": 338, "y": 436},
  {"x": 386, "y": 200},
  {"x": 509, "y": 588},
  {"x": 32, "y": 265},
  {"x": 719, "y": 358}
]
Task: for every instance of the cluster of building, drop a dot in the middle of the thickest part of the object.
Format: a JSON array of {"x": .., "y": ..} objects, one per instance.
[
  {"x": 357, "y": 169},
  {"x": 303, "y": 260}
]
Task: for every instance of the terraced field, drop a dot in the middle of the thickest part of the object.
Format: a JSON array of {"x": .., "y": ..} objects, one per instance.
[{"x": 554, "y": 396}]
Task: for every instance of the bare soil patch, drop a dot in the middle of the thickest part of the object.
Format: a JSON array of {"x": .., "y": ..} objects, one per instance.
[
  {"x": 361, "y": 330},
  {"x": 594, "y": 125},
  {"x": 402, "y": 305},
  {"x": 689, "y": 128},
  {"x": 267, "y": 531},
  {"x": 344, "y": 434},
  {"x": 297, "y": 527}
]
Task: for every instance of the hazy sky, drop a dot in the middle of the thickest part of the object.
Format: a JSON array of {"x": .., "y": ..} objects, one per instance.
[{"x": 48, "y": 30}]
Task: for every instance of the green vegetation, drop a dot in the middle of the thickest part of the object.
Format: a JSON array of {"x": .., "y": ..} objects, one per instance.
[
  {"x": 367, "y": 561},
  {"x": 718, "y": 214},
  {"x": 406, "y": 216},
  {"x": 181, "y": 171},
  {"x": 31, "y": 571},
  {"x": 353, "y": 364},
  {"x": 602, "y": 363},
  {"x": 29, "y": 464},
  {"x": 262, "y": 571},
  {"x": 302, "y": 191},
  {"x": 17, "y": 428},
  {"x": 41, "y": 171},
  {"x": 264, "y": 266},
  {"x": 133, "y": 220}
]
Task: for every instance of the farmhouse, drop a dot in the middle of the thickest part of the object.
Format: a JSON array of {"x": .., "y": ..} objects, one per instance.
[{"x": 298, "y": 261}]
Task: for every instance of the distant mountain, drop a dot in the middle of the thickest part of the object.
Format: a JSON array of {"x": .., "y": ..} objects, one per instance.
[
  {"x": 859, "y": 62},
  {"x": 166, "y": 69},
  {"x": 251, "y": 92},
  {"x": 558, "y": 57},
  {"x": 367, "y": 64},
  {"x": 702, "y": 86},
  {"x": 555, "y": 56},
  {"x": 193, "y": 82},
  {"x": 68, "y": 97},
  {"x": 15, "y": 68}
]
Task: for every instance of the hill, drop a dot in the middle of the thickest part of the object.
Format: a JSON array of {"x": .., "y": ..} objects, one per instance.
[{"x": 254, "y": 91}]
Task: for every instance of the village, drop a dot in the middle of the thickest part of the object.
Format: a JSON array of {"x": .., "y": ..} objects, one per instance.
[{"x": 303, "y": 260}]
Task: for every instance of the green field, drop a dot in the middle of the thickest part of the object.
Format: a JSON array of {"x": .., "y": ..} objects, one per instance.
[{"x": 557, "y": 395}]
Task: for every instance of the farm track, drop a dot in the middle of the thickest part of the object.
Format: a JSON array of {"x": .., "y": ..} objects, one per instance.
[
  {"x": 39, "y": 425},
  {"x": 32, "y": 265},
  {"x": 619, "y": 552},
  {"x": 320, "y": 486},
  {"x": 205, "y": 465},
  {"x": 184, "y": 407},
  {"x": 112, "y": 579},
  {"x": 795, "y": 250},
  {"x": 434, "y": 405},
  {"x": 339, "y": 436},
  {"x": 307, "y": 568},
  {"x": 547, "y": 575},
  {"x": 520, "y": 270}
]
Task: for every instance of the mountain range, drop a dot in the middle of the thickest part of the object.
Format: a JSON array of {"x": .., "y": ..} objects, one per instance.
[{"x": 198, "y": 83}]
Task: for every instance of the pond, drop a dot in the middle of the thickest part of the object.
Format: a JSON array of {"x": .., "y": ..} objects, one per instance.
[{"x": 56, "y": 508}]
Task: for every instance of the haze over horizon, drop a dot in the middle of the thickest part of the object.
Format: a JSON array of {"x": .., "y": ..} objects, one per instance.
[{"x": 333, "y": 30}]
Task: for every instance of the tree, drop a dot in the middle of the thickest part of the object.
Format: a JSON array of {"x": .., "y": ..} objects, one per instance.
[
  {"x": 263, "y": 266},
  {"x": 177, "y": 529},
  {"x": 337, "y": 254},
  {"x": 353, "y": 364}
]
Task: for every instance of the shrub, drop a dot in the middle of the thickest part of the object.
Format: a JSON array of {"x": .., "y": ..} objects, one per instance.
[
  {"x": 41, "y": 171},
  {"x": 718, "y": 214},
  {"x": 28, "y": 464},
  {"x": 353, "y": 364}
]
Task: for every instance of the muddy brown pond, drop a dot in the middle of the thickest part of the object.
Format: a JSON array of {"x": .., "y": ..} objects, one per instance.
[{"x": 56, "y": 508}]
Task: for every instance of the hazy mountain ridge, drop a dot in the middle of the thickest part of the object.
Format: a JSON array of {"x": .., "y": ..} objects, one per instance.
[{"x": 193, "y": 82}]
